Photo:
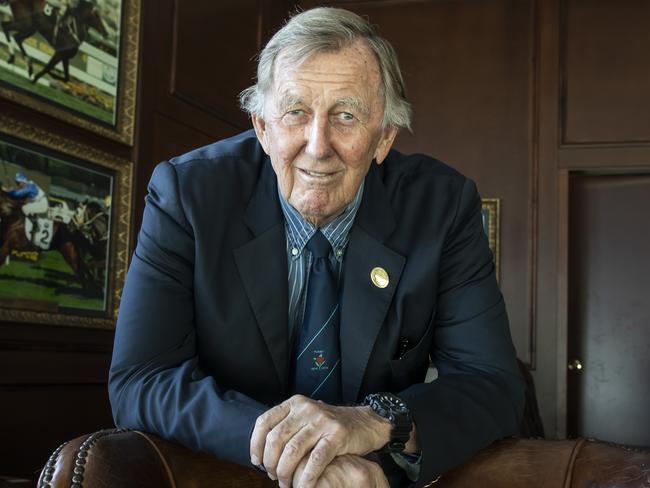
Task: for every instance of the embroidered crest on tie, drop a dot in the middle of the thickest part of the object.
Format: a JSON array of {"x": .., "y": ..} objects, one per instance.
[{"x": 317, "y": 370}]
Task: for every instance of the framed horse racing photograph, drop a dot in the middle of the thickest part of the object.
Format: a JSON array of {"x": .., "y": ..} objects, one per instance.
[
  {"x": 64, "y": 228},
  {"x": 73, "y": 59},
  {"x": 491, "y": 212}
]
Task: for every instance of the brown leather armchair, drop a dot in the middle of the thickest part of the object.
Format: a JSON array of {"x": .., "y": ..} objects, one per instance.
[{"x": 131, "y": 459}]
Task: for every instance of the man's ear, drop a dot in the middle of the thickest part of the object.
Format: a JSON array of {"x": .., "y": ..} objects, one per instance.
[
  {"x": 385, "y": 143},
  {"x": 260, "y": 130}
]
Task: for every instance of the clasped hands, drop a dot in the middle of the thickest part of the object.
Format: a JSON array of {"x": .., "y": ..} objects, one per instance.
[{"x": 309, "y": 444}]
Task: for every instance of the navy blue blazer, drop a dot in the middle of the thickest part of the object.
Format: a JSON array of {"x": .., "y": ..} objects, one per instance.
[{"x": 202, "y": 339}]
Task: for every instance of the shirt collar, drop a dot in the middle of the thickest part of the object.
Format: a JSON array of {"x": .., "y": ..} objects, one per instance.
[{"x": 299, "y": 231}]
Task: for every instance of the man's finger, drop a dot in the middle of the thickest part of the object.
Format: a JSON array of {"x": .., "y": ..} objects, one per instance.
[
  {"x": 351, "y": 471},
  {"x": 295, "y": 451},
  {"x": 298, "y": 472},
  {"x": 263, "y": 425},
  {"x": 321, "y": 455},
  {"x": 276, "y": 441}
]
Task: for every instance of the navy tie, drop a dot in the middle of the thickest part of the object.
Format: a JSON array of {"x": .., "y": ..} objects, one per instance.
[{"x": 317, "y": 356}]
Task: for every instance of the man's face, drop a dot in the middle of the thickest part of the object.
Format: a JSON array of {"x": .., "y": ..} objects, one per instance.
[{"x": 322, "y": 127}]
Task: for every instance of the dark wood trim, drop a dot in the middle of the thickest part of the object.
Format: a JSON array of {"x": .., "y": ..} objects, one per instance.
[
  {"x": 30, "y": 337},
  {"x": 585, "y": 157},
  {"x": 562, "y": 299},
  {"x": 563, "y": 43},
  {"x": 174, "y": 51},
  {"x": 549, "y": 113},
  {"x": 533, "y": 207},
  {"x": 604, "y": 144},
  {"x": 146, "y": 96},
  {"x": 196, "y": 104}
]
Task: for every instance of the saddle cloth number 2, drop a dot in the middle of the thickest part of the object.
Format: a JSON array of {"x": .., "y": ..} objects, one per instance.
[{"x": 43, "y": 236}]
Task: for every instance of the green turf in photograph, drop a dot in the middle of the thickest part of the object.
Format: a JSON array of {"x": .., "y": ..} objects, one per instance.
[
  {"x": 18, "y": 80},
  {"x": 49, "y": 279},
  {"x": 51, "y": 94}
]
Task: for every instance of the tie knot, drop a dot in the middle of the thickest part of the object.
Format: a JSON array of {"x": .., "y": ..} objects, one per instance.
[{"x": 319, "y": 246}]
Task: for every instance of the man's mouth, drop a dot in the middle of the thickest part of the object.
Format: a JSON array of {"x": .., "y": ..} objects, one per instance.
[{"x": 317, "y": 174}]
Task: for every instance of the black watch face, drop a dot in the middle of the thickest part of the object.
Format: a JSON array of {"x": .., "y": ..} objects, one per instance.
[{"x": 393, "y": 403}]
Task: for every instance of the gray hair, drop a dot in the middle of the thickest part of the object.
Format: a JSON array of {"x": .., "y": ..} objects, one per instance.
[{"x": 327, "y": 29}]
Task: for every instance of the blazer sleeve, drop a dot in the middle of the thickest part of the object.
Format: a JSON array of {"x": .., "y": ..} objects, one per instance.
[
  {"x": 478, "y": 395},
  {"x": 155, "y": 382}
]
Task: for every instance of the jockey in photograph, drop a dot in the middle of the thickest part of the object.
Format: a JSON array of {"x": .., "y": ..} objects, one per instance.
[
  {"x": 64, "y": 9},
  {"x": 33, "y": 196}
]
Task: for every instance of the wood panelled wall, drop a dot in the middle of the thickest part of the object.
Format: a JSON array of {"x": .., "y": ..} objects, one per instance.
[
  {"x": 516, "y": 94},
  {"x": 198, "y": 56},
  {"x": 195, "y": 58}
]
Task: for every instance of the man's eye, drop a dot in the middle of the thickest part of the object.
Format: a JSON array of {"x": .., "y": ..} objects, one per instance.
[
  {"x": 293, "y": 117},
  {"x": 347, "y": 116}
]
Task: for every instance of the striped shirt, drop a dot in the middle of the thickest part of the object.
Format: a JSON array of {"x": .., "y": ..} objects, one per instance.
[{"x": 298, "y": 232}]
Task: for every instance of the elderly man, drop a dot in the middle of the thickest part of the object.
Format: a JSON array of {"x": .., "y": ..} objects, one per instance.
[{"x": 291, "y": 285}]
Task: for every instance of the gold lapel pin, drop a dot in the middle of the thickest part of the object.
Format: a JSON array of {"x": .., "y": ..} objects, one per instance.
[{"x": 379, "y": 277}]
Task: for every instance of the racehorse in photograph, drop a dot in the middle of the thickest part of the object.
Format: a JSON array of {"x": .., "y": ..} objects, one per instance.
[
  {"x": 92, "y": 221},
  {"x": 65, "y": 35},
  {"x": 68, "y": 241},
  {"x": 92, "y": 225}
]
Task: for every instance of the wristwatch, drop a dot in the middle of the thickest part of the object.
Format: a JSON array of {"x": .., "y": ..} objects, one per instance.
[{"x": 394, "y": 409}]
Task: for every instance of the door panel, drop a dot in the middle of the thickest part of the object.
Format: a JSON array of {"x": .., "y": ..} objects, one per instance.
[
  {"x": 606, "y": 71},
  {"x": 609, "y": 309}
]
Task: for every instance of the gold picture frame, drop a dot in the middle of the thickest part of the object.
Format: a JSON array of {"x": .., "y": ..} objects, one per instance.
[
  {"x": 102, "y": 97},
  {"x": 78, "y": 279},
  {"x": 491, "y": 212}
]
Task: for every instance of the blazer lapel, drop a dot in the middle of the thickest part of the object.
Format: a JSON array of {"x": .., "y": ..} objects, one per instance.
[
  {"x": 262, "y": 265},
  {"x": 364, "y": 304}
]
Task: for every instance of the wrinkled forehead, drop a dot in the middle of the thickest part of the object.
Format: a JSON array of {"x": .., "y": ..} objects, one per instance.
[{"x": 355, "y": 66}]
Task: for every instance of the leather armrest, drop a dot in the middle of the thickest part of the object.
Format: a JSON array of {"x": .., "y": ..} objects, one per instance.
[
  {"x": 539, "y": 463},
  {"x": 133, "y": 459}
]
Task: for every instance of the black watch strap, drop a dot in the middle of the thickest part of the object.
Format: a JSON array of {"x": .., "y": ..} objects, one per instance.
[{"x": 394, "y": 409}]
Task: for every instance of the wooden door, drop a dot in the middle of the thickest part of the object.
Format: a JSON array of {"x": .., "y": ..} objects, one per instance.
[{"x": 609, "y": 308}]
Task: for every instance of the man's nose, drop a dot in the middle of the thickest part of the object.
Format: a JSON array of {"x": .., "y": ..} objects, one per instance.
[{"x": 319, "y": 143}]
